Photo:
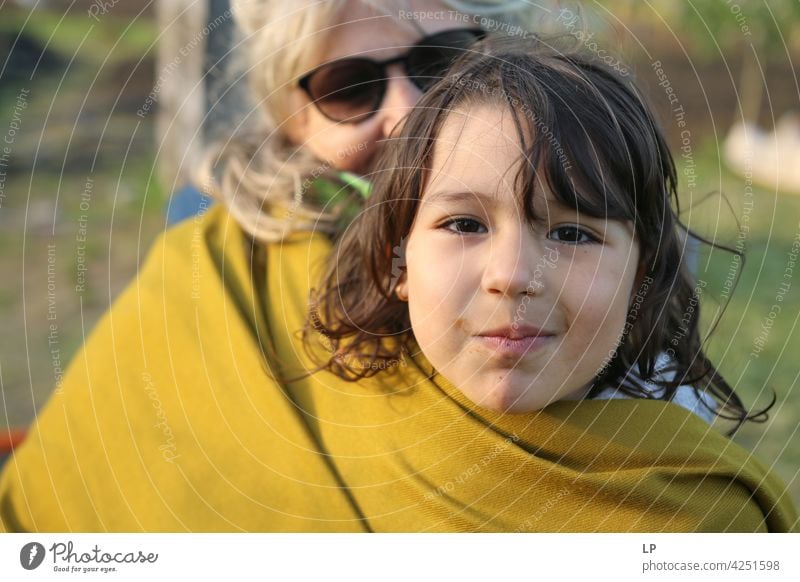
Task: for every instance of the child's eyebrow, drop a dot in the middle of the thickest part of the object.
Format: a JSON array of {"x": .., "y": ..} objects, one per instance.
[
  {"x": 459, "y": 196},
  {"x": 551, "y": 203}
]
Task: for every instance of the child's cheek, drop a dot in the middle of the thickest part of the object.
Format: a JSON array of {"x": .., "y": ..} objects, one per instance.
[
  {"x": 596, "y": 305},
  {"x": 430, "y": 279},
  {"x": 435, "y": 268}
]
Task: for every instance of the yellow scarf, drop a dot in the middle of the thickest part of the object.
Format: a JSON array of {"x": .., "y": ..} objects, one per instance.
[{"x": 168, "y": 420}]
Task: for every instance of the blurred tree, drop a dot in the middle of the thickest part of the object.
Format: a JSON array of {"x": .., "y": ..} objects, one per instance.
[{"x": 756, "y": 31}]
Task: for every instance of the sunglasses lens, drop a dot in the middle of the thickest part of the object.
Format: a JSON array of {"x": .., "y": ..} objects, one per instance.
[
  {"x": 348, "y": 90},
  {"x": 433, "y": 56}
]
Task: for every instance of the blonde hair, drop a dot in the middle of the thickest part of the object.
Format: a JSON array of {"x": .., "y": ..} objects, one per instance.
[{"x": 258, "y": 173}]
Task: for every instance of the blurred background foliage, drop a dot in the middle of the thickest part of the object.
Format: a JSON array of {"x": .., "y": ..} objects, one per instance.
[
  {"x": 80, "y": 81},
  {"x": 731, "y": 63},
  {"x": 85, "y": 79}
]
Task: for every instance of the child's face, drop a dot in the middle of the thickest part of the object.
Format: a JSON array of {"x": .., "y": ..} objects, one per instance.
[{"x": 475, "y": 265}]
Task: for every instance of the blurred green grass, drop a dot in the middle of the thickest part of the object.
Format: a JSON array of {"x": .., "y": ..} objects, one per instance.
[
  {"x": 111, "y": 41},
  {"x": 78, "y": 124}
]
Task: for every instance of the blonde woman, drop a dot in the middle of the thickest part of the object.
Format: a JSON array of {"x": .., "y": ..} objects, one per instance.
[{"x": 174, "y": 417}]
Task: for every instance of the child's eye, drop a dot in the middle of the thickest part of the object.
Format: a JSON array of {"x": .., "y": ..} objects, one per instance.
[
  {"x": 572, "y": 235},
  {"x": 465, "y": 225}
]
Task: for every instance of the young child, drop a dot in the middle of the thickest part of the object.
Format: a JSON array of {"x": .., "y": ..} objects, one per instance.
[
  {"x": 536, "y": 253},
  {"x": 520, "y": 246}
]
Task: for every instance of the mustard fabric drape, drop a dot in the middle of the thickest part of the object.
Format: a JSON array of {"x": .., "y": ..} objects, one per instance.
[{"x": 169, "y": 419}]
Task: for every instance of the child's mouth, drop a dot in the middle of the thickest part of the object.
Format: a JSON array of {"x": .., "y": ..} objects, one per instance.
[{"x": 505, "y": 346}]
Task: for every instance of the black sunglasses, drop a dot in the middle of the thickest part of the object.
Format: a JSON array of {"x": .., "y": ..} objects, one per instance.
[{"x": 351, "y": 90}]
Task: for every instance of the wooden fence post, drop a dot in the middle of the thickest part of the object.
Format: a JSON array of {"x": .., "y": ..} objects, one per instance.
[{"x": 180, "y": 88}]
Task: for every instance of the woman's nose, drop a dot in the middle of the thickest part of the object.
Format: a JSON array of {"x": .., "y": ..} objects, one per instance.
[
  {"x": 401, "y": 96},
  {"x": 516, "y": 264}
]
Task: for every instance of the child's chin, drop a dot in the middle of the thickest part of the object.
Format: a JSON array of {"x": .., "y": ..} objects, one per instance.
[{"x": 506, "y": 400}]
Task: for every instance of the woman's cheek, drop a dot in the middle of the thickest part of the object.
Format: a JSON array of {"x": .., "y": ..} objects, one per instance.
[{"x": 356, "y": 146}]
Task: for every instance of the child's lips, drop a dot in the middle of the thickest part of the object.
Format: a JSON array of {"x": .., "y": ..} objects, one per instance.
[
  {"x": 516, "y": 330},
  {"x": 505, "y": 346}
]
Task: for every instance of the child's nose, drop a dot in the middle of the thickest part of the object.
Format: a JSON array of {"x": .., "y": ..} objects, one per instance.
[
  {"x": 517, "y": 265},
  {"x": 401, "y": 96}
]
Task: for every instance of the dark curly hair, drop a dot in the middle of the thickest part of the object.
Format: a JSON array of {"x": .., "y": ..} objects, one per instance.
[{"x": 611, "y": 161}]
